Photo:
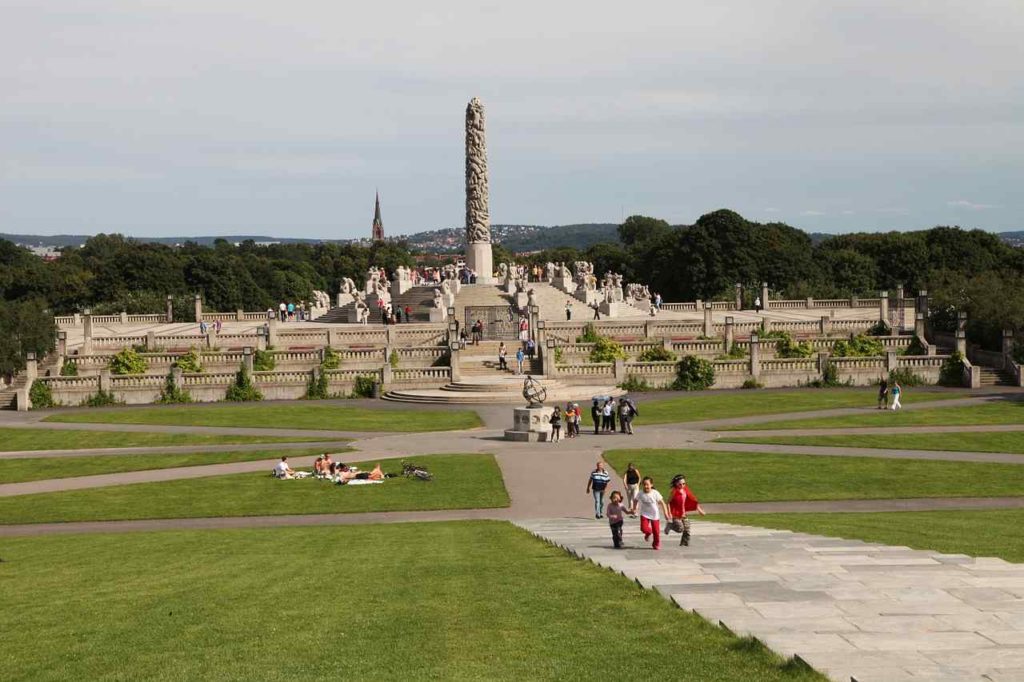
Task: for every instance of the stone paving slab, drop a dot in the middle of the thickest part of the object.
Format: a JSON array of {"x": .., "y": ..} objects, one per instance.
[{"x": 852, "y": 610}]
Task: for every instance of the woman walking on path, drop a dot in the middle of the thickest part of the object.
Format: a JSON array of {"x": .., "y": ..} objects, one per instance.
[
  {"x": 502, "y": 352},
  {"x": 598, "y": 481},
  {"x": 631, "y": 479},
  {"x": 897, "y": 392},
  {"x": 556, "y": 425},
  {"x": 648, "y": 502},
  {"x": 883, "y": 394}
]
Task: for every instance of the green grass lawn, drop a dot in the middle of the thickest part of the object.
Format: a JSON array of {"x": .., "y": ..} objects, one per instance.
[
  {"x": 996, "y": 412},
  {"x": 1006, "y": 441},
  {"x": 460, "y": 482},
  {"x": 40, "y": 468},
  {"x": 689, "y": 408},
  {"x": 978, "y": 533},
  {"x": 439, "y": 601},
  {"x": 757, "y": 477},
  {"x": 296, "y": 416},
  {"x": 50, "y": 439}
]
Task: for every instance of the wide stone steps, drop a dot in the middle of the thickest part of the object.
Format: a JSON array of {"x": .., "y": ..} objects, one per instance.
[
  {"x": 991, "y": 376},
  {"x": 497, "y": 390}
]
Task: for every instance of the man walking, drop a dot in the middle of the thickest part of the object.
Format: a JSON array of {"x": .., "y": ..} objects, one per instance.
[
  {"x": 595, "y": 414},
  {"x": 598, "y": 481}
]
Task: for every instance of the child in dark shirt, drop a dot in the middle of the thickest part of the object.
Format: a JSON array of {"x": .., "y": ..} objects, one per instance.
[{"x": 615, "y": 517}]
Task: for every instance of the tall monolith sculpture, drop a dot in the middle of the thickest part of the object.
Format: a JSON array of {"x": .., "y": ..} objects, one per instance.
[{"x": 478, "y": 218}]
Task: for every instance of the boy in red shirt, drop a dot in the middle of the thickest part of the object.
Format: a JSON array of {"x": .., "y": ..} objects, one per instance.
[{"x": 681, "y": 501}]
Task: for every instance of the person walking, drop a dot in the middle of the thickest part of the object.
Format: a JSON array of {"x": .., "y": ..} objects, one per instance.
[
  {"x": 883, "y": 394},
  {"x": 628, "y": 413},
  {"x": 556, "y": 424},
  {"x": 520, "y": 356},
  {"x": 597, "y": 311},
  {"x": 622, "y": 409},
  {"x": 595, "y": 414},
  {"x": 611, "y": 415},
  {"x": 502, "y": 352},
  {"x": 408, "y": 314},
  {"x": 897, "y": 392},
  {"x": 568, "y": 310},
  {"x": 596, "y": 484},
  {"x": 631, "y": 479},
  {"x": 569, "y": 416},
  {"x": 757, "y": 304},
  {"x": 531, "y": 348},
  {"x": 616, "y": 513},
  {"x": 681, "y": 501},
  {"x": 648, "y": 501}
]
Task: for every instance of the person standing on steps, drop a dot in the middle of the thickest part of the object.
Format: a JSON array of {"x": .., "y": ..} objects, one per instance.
[
  {"x": 502, "y": 352},
  {"x": 568, "y": 310},
  {"x": 897, "y": 392},
  {"x": 596, "y": 484},
  {"x": 520, "y": 356},
  {"x": 631, "y": 479}
]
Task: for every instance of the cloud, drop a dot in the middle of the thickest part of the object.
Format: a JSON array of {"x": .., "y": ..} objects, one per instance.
[
  {"x": 812, "y": 212},
  {"x": 969, "y": 205}
]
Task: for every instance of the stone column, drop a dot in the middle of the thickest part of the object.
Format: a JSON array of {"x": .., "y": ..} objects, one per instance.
[
  {"x": 730, "y": 334},
  {"x": 891, "y": 360},
  {"x": 823, "y": 361},
  {"x": 764, "y": 295},
  {"x": 1007, "y": 344},
  {"x": 247, "y": 359},
  {"x": 922, "y": 301},
  {"x": 534, "y": 317},
  {"x": 261, "y": 338},
  {"x": 809, "y": 303},
  {"x": 105, "y": 380},
  {"x": 739, "y": 296},
  {"x": 177, "y": 376},
  {"x": 961, "y": 320},
  {"x": 150, "y": 341},
  {"x": 919, "y": 326},
  {"x": 62, "y": 344},
  {"x": 619, "y": 370},
  {"x": 899, "y": 295},
  {"x": 648, "y": 329},
  {"x": 478, "y": 217},
  {"x": 825, "y": 325},
  {"x": 87, "y": 332},
  {"x": 31, "y": 367},
  {"x": 961, "y": 342},
  {"x": 766, "y": 324},
  {"x": 169, "y": 316},
  {"x": 124, "y": 317},
  {"x": 883, "y": 306},
  {"x": 332, "y": 337},
  {"x": 709, "y": 327},
  {"x": 272, "y": 333},
  {"x": 454, "y": 349},
  {"x": 755, "y": 356},
  {"x": 548, "y": 359},
  {"x": 239, "y": 315},
  {"x": 199, "y": 308}
]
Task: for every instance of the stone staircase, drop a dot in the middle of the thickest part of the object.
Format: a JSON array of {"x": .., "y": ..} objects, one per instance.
[
  {"x": 8, "y": 394},
  {"x": 991, "y": 376},
  {"x": 501, "y": 389},
  {"x": 551, "y": 302},
  {"x": 482, "y": 360}
]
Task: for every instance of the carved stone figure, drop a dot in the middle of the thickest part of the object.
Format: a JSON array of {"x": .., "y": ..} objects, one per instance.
[
  {"x": 438, "y": 299},
  {"x": 549, "y": 272},
  {"x": 478, "y": 218},
  {"x": 348, "y": 286},
  {"x": 503, "y": 272},
  {"x": 446, "y": 287},
  {"x": 531, "y": 297}
]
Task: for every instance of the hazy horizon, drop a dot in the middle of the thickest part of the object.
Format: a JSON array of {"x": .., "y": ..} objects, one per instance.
[{"x": 225, "y": 117}]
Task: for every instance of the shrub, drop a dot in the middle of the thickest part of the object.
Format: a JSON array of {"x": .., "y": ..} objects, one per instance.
[
  {"x": 787, "y": 347},
  {"x": 859, "y": 346},
  {"x": 559, "y": 355},
  {"x": 243, "y": 390},
  {"x": 170, "y": 393},
  {"x": 915, "y": 348},
  {"x": 363, "y": 387},
  {"x": 635, "y": 384},
  {"x": 737, "y": 352},
  {"x": 693, "y": 374},
  {"x": 589, "y": 335},
  {"x": 40, "y": 395},
  {"x": 393, "y": 359},
  {"x": 140, "y": 347},
  {"x": 128, "y": 361},
  {"x": 952, "y": 371},
  {"x": 656, "y": 354},
  {"x": 317, "y": 388},
  {"x": 752, "y": 383},
  {"x": 607, "y": 350},
  {"x": 904, "y": 377},
  {"x": 331, "y": 359},
  {"x": 1018, "y": 352},
  {"x": 830, "y": 378},
  {"x": 101, "y": 399},
  {"x": 189, "y": 362},
  {"x": 263, "y": 361},
  {"x": 880, "y": 328},
  {"x": 69, "y": 369}
]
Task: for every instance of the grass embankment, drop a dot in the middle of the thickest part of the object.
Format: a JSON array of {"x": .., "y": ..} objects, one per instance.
[
  {"x": 331, "y": 417},
  {"x": 995, "y": 412},
  {"x": 53, "y": 439},
  {"x": 439, "y": 601},
  {"x": 756, "y": 477},
  {"x": 726, "y": 405},
  {"x": 41, "y": 468},
  {"x": 460, "y": 482},
  {"x": 1006, "y": 441},
  {"x": 978, "y": 533}
]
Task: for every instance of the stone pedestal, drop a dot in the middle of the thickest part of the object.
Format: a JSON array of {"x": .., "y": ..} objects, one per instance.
[
  {"x": 530, "y": 424},
  {"x": 612, "y": 309},
  {"x": 522, "y": 300},
  {"x": 479, "y": 260},
  {"x": 400, "y": 286},
  {"x": 589, "y": 296},
  {"x": 344, "y": 299},
  {"x": 565, "y": 284},
  {"x": 438, "y": 314}
]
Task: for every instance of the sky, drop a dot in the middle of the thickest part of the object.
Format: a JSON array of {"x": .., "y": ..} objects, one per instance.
[{"x": 207, "y": 117}]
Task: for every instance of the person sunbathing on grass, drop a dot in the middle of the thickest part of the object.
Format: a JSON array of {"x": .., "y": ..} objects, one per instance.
[
  {"x": 345, "y": 474},
  {"x": 320, "y": 467},
  {"x": 282, "y": 470}
]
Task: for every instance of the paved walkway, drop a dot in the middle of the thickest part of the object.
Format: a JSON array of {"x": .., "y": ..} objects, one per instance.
[{"x": 852, "y": 610}]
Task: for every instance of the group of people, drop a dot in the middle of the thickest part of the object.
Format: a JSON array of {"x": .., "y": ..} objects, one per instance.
[
  {"x": 573, "y": 418},
  {"x": 325, "y": 468},
  {"x": 289, "y": 312},
  {"x": 393, "y": 314},
  {"x": 204, "y": 328},
  {"x": 523, "y": 352},
  {"x": 604, "y": 415},
  {"x": 887, "y": 391},
  {"x": 643, "y": 500}
]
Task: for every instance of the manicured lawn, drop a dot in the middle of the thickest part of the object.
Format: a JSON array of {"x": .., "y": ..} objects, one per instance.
[
  {"x": 50, "y": 439},
  {"x": 756, "y": 477},
  {"x": 300, "y": 416},
  {"x": 1005, "y": 441},
  {"x": 439, "y": 601},
  {"x": 460, "y": 482},
  {"x": 978, "y": 533},
  {"x": 995, "y": 412},
  {"x": 689, "y": 408},
  {"x": 40, "y": 468}
]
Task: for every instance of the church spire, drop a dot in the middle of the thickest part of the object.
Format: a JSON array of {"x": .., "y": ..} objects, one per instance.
[{"x": 378, "y": 224}]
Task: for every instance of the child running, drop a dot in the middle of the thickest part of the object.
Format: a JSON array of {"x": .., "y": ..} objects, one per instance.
[
  {"x": 681, "y": 501},
  {"x": 615, "y": 516},
  {"x": 647, "y": 501}
]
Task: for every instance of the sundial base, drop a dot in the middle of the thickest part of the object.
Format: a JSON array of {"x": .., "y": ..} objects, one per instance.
[{"x": 530, "y": 424}]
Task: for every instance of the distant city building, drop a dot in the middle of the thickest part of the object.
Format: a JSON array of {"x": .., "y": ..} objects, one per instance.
[{"x": 378, "y": 224}]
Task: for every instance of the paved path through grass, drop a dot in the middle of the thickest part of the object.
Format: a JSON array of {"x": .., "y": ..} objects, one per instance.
[{"x": 848, "y": 608}]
